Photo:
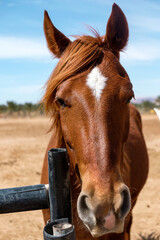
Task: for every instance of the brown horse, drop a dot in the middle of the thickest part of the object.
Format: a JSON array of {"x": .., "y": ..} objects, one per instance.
[{"x": 88, "y": 95}]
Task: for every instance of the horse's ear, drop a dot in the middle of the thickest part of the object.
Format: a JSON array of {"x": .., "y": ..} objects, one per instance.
[
  {"x": 117, "y": 31},
  {"x": 56, "y": 41}
]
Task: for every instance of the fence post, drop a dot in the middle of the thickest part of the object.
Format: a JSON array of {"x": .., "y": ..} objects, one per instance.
[{"x": 59, "y": 226}]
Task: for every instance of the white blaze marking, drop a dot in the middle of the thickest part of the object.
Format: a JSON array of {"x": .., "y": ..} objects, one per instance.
[{"x": 96, "y": 81}]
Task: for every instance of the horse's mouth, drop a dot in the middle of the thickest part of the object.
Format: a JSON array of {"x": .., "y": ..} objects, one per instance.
[{"x": 98, "y": 231}]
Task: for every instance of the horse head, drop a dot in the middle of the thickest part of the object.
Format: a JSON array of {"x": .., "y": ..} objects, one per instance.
[{"x": 88, "y": 95}]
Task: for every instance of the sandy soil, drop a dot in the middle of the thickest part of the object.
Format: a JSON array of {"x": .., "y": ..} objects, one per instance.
[{"x": 22, "y": 147}]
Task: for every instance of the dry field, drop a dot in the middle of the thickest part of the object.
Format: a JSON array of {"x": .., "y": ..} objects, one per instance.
[{"x": 22, "y": 147}]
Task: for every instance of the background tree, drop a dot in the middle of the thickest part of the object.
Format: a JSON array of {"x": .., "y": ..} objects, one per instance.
[
  {"x": 3, "y": 108},
  {"x": 11, "y": 107},
  {"x": 28, "y": 108},
  {"x": 157, "y": 101},
  {"x": 147, "y": 105}
]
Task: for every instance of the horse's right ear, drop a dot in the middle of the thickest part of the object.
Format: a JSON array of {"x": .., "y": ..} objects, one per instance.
[
  {"x": 56, "y": 41},
  {"x": 117, "y": 31}
]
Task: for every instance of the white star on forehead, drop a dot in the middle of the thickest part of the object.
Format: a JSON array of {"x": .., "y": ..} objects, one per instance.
[{"x": 96, "y": 81}]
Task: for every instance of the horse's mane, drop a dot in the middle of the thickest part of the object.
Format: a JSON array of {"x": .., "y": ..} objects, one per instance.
[{"x": 82, "y": 53}]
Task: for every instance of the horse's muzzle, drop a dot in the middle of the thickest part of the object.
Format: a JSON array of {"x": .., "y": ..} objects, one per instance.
[{"x": 95, "y": 217}]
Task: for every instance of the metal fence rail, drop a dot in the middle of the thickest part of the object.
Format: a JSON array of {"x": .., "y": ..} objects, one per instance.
[
  {"x": 56, "y": 195},
  {"x": 22, "y": 199}
]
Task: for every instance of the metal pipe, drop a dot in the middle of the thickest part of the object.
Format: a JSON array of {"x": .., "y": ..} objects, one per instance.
[
  {"x": 59, "y": 197},
  {"x": 59, "y": 184},
  {"x": 66, "y": 233},
  {"x": 24, "y": 198}
]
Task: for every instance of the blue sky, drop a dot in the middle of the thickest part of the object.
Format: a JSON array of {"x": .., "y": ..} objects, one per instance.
[{"x": 26, "y": 63}]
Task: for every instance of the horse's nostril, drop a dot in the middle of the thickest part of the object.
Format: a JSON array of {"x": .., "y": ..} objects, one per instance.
[
  {"x": 126, "y": 203},
  {"x": 82, "y": 203},
  {"x": 85, "y": 212}
]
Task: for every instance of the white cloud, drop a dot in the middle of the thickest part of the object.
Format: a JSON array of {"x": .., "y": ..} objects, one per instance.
[
  {"x": 151, "y": 5},
  {"x": 21, "y": 94},
  {"x": 24, "y": 89},
  {"x": 10, "y": 4},
  {"x": 15, "y": 47},
  {"x": 18, "y": 47},
  {"x": 148, "y": 50},
  {"x": 33, "y": 2},
  {"x": 146, "y": 23},
  {"x": 28, "y": 89}
]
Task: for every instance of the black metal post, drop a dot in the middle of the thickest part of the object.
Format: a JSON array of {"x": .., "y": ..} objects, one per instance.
[
  {"x": 66, "y": 234},
  {"x": 59, "y": 197},
  {"x": 59, "y": 184},
  {"x": 24, "y": 198}
]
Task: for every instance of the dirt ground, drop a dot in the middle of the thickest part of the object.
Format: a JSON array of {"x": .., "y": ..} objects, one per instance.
[{"x": 22, "y": 147}]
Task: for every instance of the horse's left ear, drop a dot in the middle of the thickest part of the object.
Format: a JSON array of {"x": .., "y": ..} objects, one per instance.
[
  {"x": 117, "y": 31},
  {"x": 56, "y": 41}
]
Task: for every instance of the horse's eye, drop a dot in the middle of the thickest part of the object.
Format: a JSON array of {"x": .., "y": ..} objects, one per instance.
[{"x": 61, "y": 102}]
